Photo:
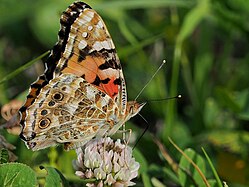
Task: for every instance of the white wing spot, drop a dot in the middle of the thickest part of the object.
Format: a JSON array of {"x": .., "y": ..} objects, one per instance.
[
  {"x": 97, "y": 45},
  {"x": 100, "y": 24},
  {"x": 89, "y": 16},
  {"x": 106, "y": 45},
  {"x": 81, "y": 21},
  {"x": 72, "y": 13},
  {"x": 90, "y": 27},
  {"x": 69, "y": 46},
  {"x": 102, "y": 45},
  {"x": 82, "y": 44},
  {"x": 85, "y": 17},
  {"x": 84, "y": 34}
]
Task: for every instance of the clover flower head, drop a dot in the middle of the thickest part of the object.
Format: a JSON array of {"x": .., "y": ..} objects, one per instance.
[{"x": 108, "y": 162}]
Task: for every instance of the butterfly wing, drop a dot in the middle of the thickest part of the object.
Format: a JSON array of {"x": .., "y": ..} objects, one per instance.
[
  {"x": 84, "y": 52},
  {"x": 90, "y": 54},
  {"x": 68, "y": 110},
  {"x": 67, "y": 19}
]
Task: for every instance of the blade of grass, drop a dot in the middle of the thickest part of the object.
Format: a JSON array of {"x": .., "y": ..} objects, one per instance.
[
  {"x": 213, "y": 169},
  {"x": 130, "y": 37},
  {"x": 22, "y": 68},
  {"x": 192, "y": 20},
  {"x": 146, "y": 180},
  {"x": 171, "y": 105},
  {"x": 126, "y": 32},
  {"x": 125, "y": 51}
]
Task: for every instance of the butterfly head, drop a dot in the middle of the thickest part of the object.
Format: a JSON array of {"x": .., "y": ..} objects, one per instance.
[{"x": 133, "y": 108}]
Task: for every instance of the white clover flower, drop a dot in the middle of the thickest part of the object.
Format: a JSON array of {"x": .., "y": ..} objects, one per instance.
[{"x": 109, "y": 163}]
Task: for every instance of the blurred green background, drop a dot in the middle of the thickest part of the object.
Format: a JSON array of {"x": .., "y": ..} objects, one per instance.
[{"x": 206, "y": 46}]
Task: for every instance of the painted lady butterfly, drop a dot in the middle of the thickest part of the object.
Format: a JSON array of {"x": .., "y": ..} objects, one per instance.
[{"x": 82, "y": 93}]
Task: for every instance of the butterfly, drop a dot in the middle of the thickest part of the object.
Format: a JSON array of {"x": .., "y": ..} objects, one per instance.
[{"x": 82, "y": 93}]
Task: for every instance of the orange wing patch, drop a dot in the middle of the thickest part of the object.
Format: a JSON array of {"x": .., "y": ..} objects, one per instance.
[
  {"x": 89, "y": 70},
  {"x": 90, "y": 54}
]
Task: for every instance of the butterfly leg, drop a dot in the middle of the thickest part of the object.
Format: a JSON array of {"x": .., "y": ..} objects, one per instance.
[
  {"x": 126, "y": 139},
  {"x": 126, "y": 142}
]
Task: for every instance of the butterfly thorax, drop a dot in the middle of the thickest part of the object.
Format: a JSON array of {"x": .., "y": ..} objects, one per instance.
[{"x": 132, "y": 108}]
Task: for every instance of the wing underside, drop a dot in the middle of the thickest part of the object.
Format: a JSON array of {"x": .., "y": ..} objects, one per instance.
[
  {"x": 68, "y": 110},
  {"x": 85, "y": 52}
]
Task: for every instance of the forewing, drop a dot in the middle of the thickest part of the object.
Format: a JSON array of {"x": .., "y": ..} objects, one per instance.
[
  {"x": 67, "y": 19},
  {"x": 90, "y": 54},
  {"x": 85, "y": 49}
]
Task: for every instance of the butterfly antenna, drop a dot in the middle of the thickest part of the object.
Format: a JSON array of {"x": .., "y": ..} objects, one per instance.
[
  {"x": 164, "y": 99},
  {"x": 146, "y": 128},
  {"x": 160, "y": 67},
  {"x": 147, "y": 123}
]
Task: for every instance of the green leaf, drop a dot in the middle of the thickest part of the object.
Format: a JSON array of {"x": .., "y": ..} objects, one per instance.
[
  {"x": 242, "y": 98},
  {"x": 228, "y": 100},
  {"x": 17, "y": 175},
  {"x": 234, "y": 141},
  {"x": 54, "y": 178},
  {"x": 4, "y": 156},
  {"x": 171, "y": 175},
  {"x": 211, "y": 113},
  {"x": 188, "y": 175}
]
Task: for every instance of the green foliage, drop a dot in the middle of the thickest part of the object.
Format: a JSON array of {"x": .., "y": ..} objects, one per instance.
[
  {"x": 4, "y": 156},
  {"x": 54, "y": 178},
  {"x": 17, "y": 175},
  {"x": 205, "y": 44},
  {"x": 186, "y": 169},
  {"x": 20, "y": 175}
]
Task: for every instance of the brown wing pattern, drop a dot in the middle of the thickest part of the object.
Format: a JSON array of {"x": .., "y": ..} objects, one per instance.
[
  {"x": 67, "y": 19},
  {"x": 68, "y": 110},
  {"x": 90, "y": 54},
  {"x": 82, "y": 92}
]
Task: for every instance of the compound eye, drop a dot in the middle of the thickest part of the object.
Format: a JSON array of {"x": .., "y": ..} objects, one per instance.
[
  {"x": 58, "y": 96},
  {"x": 44, "y": 123}
]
